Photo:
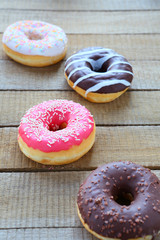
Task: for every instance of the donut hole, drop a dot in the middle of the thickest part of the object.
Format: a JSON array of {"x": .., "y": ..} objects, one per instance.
[
  {"x": 123, "y": 197},
  {"x": 33, "y": 36},
  {"x": 55, "y": 127},
  {"x": 99, "y": 68}
]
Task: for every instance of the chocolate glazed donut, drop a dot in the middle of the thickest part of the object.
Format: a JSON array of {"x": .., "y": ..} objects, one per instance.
[
  {"x": 98, "y": 74},
  {"x": 120, "y": 200}
]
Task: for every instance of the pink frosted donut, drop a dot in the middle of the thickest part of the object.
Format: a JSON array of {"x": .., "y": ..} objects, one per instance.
[
  {"x": 35, "y": 43},
  {"x": 56, "y": 132}
]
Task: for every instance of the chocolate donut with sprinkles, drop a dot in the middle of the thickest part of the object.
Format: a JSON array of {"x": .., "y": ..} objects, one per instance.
[
  {"x": 98, "y": 74},
  {"x": 56, "y": 132},
  {"x": 35, "y": 43},
  {"x": 120, "y": 200}
]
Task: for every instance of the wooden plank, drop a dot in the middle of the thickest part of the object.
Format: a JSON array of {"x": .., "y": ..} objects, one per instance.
[
  {"x": 132, "y": 108},
  {"x": 146, "y": 76},
  {"x": 82, "y": 5},
  {"x": 136, "y": 47},
  {"x": 40, "y": 199},
  {"x": 16, "y": 76},
  {"x": 97, "y": 23},
  {"x": 134, "y": 143},
  {"x": 46, "y": 234}
]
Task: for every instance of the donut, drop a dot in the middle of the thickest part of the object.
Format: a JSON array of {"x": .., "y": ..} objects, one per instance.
[
  {"x": 120, "y": 200},
  {"x": 56, "y": 132},
  {"x": 35, "y": 43},
  {"x": 98, "y": 74}
]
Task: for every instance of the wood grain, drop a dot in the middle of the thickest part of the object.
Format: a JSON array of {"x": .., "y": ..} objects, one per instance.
[
  {"x": 37, "y": 201},
  {"x": 46, "y": 234},
  {"x": 82, "y": 5},
  {"x": 134, "y": 47},
  {"x": 137, "y": 144},
  {"x": 146, "y": 76},
  {"x": 131, "y": 108},
  {"x": 90, "y": 23},
  {"x": 40, "y": 199}
]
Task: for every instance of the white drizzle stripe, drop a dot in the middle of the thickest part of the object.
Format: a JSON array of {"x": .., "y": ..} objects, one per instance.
[
  {"x": 119, "y": 71},
  {"x": 99, "y": 62},
  {"x": 75, "y": 70},
  {"x": 106, "y": 83},
  {"x": 84, "y": 77},
  {"x": 97, "y": 74},
  {"x": 96, "y": 65},
  {"x": 115, "y": 63},
  {"x": 89, "y": 52},
  {"x": 78, "y": 60}
]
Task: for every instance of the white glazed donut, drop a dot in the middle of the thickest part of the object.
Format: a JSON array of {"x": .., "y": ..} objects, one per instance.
[{"x": 35, "y": 43}]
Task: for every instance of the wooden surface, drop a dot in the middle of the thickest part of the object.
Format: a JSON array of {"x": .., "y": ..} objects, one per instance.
[
  {"x": 96, "y": 22},
  {"x": 83, "y": 5},
  {"x": 139, "y": 144},
  {"x": 37, "y": 201},
  {"x": 40, "y": 200}
]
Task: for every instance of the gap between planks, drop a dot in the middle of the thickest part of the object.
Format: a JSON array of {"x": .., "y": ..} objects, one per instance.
[
  {"x": 61, "y": 227},
  {"x": 101, "y": 125},
  {"x": 69, "y": 90},
  {"x": 58, "y": 169},
  {"x": 85, "y": 11},
  {"x": 110, "y": 34}
]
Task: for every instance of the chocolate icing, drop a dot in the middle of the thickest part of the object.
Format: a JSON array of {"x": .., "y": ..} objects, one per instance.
[
  {"x": 99, "y": 60},
  {"x": 105, "y": 216}
]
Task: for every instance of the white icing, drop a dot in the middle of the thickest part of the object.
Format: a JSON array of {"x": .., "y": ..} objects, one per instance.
[
  {"x": 89, "y": 52},
  {"x": 78, "y": 60},
  {"x": 119, "y": 71},
  {"x": 75, "y": 70},
  {"x": 98, "y": 62},
  {"x": 119, "y": 62},
  {"x": 53, "y": 43},
  {"x": 98, "y": 74},
  {"x": 83, "y": 78},
  {"x": 96, "y": 65},
  {"x": 106, "y": 83},
  {"x": 101, "y": 61}
]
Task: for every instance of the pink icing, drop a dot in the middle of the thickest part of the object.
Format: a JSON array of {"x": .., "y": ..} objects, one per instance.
[{"x": 35, "y": 125}]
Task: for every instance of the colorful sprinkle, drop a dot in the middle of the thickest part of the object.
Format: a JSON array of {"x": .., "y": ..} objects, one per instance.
[{"x": 35, "y": 38}]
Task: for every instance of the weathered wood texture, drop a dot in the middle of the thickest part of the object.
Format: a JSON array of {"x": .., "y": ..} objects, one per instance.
[
  {"x": 134, "y": 47},
  {"x": 128, "y": 22},
  {"x": 82, "y": 5},
  {"x": 46, "y": 234},
  {"x": 40, "y": 199},
  {"x": 137, "y": 144},
  {"x": 14, "y": 76},
  {"x": 131, "y": 108},
  {"x": 37, "y": 201}
]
